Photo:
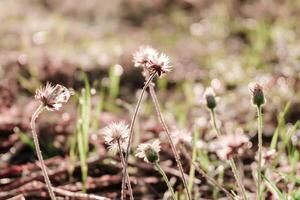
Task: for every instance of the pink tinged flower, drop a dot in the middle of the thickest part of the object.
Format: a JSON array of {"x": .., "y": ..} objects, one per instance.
[
  {"x": 231, "y": 145},
  {"x": 149, "y": 151},
  {"x": 142, "y": 56},
  {"x": 181, "y": 135},
  {"x": 114, "y": 134},
  {"x": 53, "y": 97},
  {"x": 159, "y": 64}
]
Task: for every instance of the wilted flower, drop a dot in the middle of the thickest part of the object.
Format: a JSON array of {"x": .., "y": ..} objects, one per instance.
[
  {"x": 257, "y": 94},
  {"x": 181, "y": 135},
  {"x": 115, "y": 134},
  {"x": 142, "y": 56},
  {"x": 231, "y": 145},
  {"x": 149, "y": 58},
  {"x": 52, "y": 97},
  {"x": 210, "y": 98},
  {"x": 149, "y": 151},
  {"x": 268, "y": 156}
]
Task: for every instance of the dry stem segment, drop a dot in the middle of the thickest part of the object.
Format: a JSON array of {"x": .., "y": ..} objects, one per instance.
[{"x": 39, "y": 152}]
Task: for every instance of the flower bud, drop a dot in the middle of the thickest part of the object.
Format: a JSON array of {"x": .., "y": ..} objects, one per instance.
[
  {"x": 257, "y": 94},
  {"x": 210, "y": 98}
]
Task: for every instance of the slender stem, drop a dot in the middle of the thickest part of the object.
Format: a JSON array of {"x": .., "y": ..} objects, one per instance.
[
  {"x": 204, "y": 174},
  {"x": 232, "y": 163},
  {"x": 260, "y": 127},
  {"x": 176, "y": 155},
  {"x": 194, "y": 156},
  {"x": 126, "y": 175},
  {"x": 135, "y": 115},
  {"x": 161, "y": 171},
  {"x": 39, "y": 152},
  {"x": 214, "y": 122},
  {"x": 132, "y": 125},
  {"x": 238, "y": 178}
]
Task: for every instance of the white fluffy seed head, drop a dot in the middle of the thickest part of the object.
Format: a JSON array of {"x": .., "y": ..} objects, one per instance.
[
  {"x": 53, "y": 97},
  {"x": 114, "y": 134},
  {"x": 142, "y": 56},
  {"x": 152, "y": 61},
  {"x": 149, "y": 151}
]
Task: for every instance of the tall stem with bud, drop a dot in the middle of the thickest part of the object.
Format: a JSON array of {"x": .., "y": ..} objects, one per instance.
[
  {"x": 39, "y": 152},
  {"x": 260, "y": 141},
  {"x": 258, "y": 100}
]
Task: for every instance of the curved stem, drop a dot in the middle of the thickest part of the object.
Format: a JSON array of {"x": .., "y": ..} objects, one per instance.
[
  {"x": 132, "y": 125},
  {"x": 125, "y": 175},
  {"x": 176, "y": 155},
  {"x": 260, "y": 127},
  {"x": 161, "y": 171},
  {"x": 39, "y": 152}
]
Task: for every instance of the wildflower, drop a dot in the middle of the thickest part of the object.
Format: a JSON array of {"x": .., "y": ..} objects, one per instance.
[
  {"x": 257, "y": 94},
  {"x": 52, "y": 97},
  {"x": 231, "y": 145},
  {"x": 159, "y": 64},
  {"x": 152, "y": 61},
  {"x": 210, "y": 98},
  {"x": 268, "y": 156},
  {"x": 141, "y": 57},
  {"x": 181, "y": 135},
  {"x": 149, "y": 151},
  {"x": 115, "y": 134}
]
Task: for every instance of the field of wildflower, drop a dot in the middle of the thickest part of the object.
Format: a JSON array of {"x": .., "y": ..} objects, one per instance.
[{"x": 150, "y": 100}]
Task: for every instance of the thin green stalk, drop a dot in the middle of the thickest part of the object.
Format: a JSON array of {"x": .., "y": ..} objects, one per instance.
[
  {"x": 260, "y": 127},
  {"x": 214, "y": 122},
  {"x": 161, "y": 171},
  {"x": 232, "y": 163},
  {"x": 194, "y": 156},
  {"x": 39, "y": 152},
  {"x": 238, "y": 178},
  {"x": 176, "y": 155}
]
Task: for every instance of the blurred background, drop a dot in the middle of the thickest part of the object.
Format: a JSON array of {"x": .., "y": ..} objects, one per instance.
[{"x": 89, "y": 44}]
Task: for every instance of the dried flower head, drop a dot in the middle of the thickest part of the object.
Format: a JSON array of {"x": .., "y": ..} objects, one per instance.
[
  {"x": 114, "y": 134},
  {"x": 268, "y": 156},
  {"x": 159, "y": 64},
  {"x": 152, "y": 61},
  {"x": 257, "y": 94},
  {"x": 52, "y": 97},
  {"x": 210, "y": 98},
  {"x": 181, "y": 135},
  {"x": 149, "y": 151},
  {"x": 231, "y": 145},
  {"x": 141, "y": 57}
]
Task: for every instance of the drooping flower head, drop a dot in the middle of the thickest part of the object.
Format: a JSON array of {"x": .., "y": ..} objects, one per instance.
[
  {"x": 152, "y": 61},
  {"x": 210, "y": 98},
  {"x": 149, "y": 151},
  {"x": 115, "y": 134},
  {"x": 52, "y": 97},
  {"x": 231, "y": 145},
  {"x": 257, "y": 94},
  {"x": 181, "y": 135}
]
